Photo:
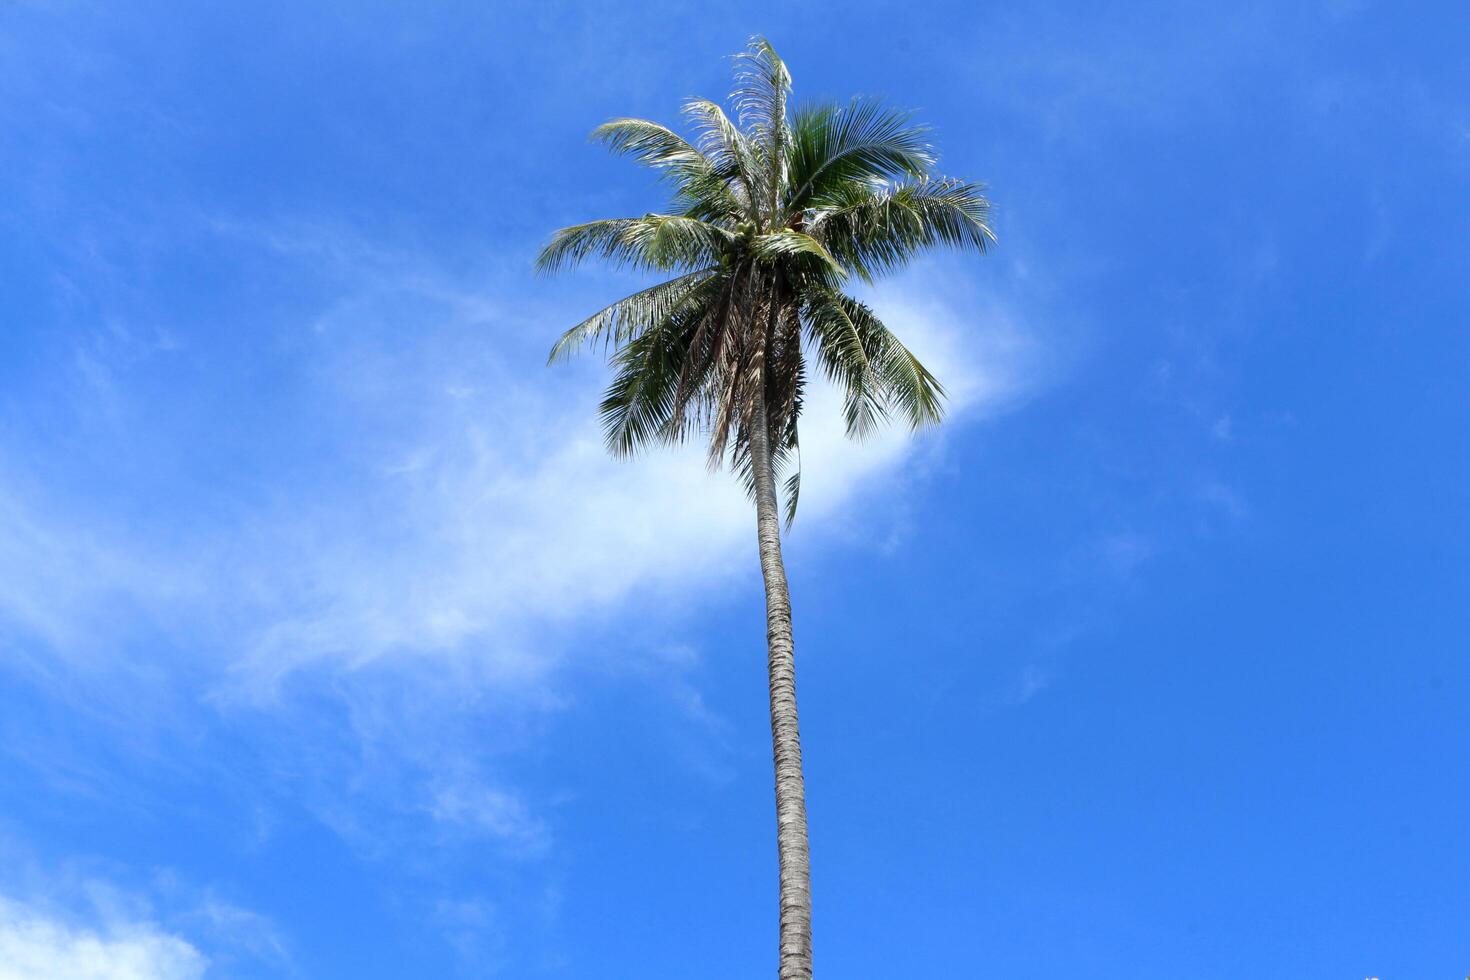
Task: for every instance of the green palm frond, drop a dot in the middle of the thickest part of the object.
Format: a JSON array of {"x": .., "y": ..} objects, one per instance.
[
  {"x": 650, "y": 143},
  {"x": 876, "y": 228},
  {"x": 847, "y": 356},
  {"x": 909, "y": 387},
  {"x": 791, "y": 489},
  {"x": 835, "y": 146},
  {"x": 725, "y": 146},
  {"x": 763, "y": 86},
  {"x": 630, "y": 316},
  {"x": 701, "y": 189},
  {"x": 796, "y": 245},
  {"x": 638, "y": 407},
  {"x": 652, "y": 243}
]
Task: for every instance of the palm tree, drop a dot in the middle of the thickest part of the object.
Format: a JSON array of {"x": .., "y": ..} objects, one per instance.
[{"x": 771, "y": 215}]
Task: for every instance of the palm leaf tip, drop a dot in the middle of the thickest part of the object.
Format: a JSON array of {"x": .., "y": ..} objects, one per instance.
[{"x": 649, "y": 142}]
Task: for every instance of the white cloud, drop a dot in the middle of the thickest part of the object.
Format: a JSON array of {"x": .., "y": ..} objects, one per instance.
[
  {"x": 463, "y": 503},
  {"x": 35, "y": 946},
  {"x": 511, "y": 513},
  {"x": 459, "y": 526}
]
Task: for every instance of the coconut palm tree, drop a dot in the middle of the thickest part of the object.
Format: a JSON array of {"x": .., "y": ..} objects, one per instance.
[{"x": 772, "y": 214}]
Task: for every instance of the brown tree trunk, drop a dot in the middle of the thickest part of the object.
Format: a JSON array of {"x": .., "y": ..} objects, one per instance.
[{"x": 791, "y": 841}]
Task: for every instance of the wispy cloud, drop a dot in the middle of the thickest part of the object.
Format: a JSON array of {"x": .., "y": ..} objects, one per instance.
[
  {"x": 62, "y": 577},
  {"x": 464, "y": 505},
  {"x": 462, "y": 802},
  {"x": 399, "y": 584}
]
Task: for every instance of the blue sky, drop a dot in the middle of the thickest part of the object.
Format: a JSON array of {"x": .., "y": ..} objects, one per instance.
[{"x": 332, "y": 646}]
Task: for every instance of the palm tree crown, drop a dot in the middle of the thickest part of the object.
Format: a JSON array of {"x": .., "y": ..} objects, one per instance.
[{"x": 772, "y": 213}]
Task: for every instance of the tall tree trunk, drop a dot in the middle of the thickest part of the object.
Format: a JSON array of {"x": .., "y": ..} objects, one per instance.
[{"x": 791, "y": 841}]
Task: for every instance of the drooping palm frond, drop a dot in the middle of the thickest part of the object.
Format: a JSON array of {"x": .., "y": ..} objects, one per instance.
[
  {"x": 652, "y": 243},
  {"x": 791, "y": 489},
  {"x": 632, "y": 315},
  {"x": 638, "y": 406},
  {"x": 847, "y": 356},
  {"x": 909, "y": 387}
]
